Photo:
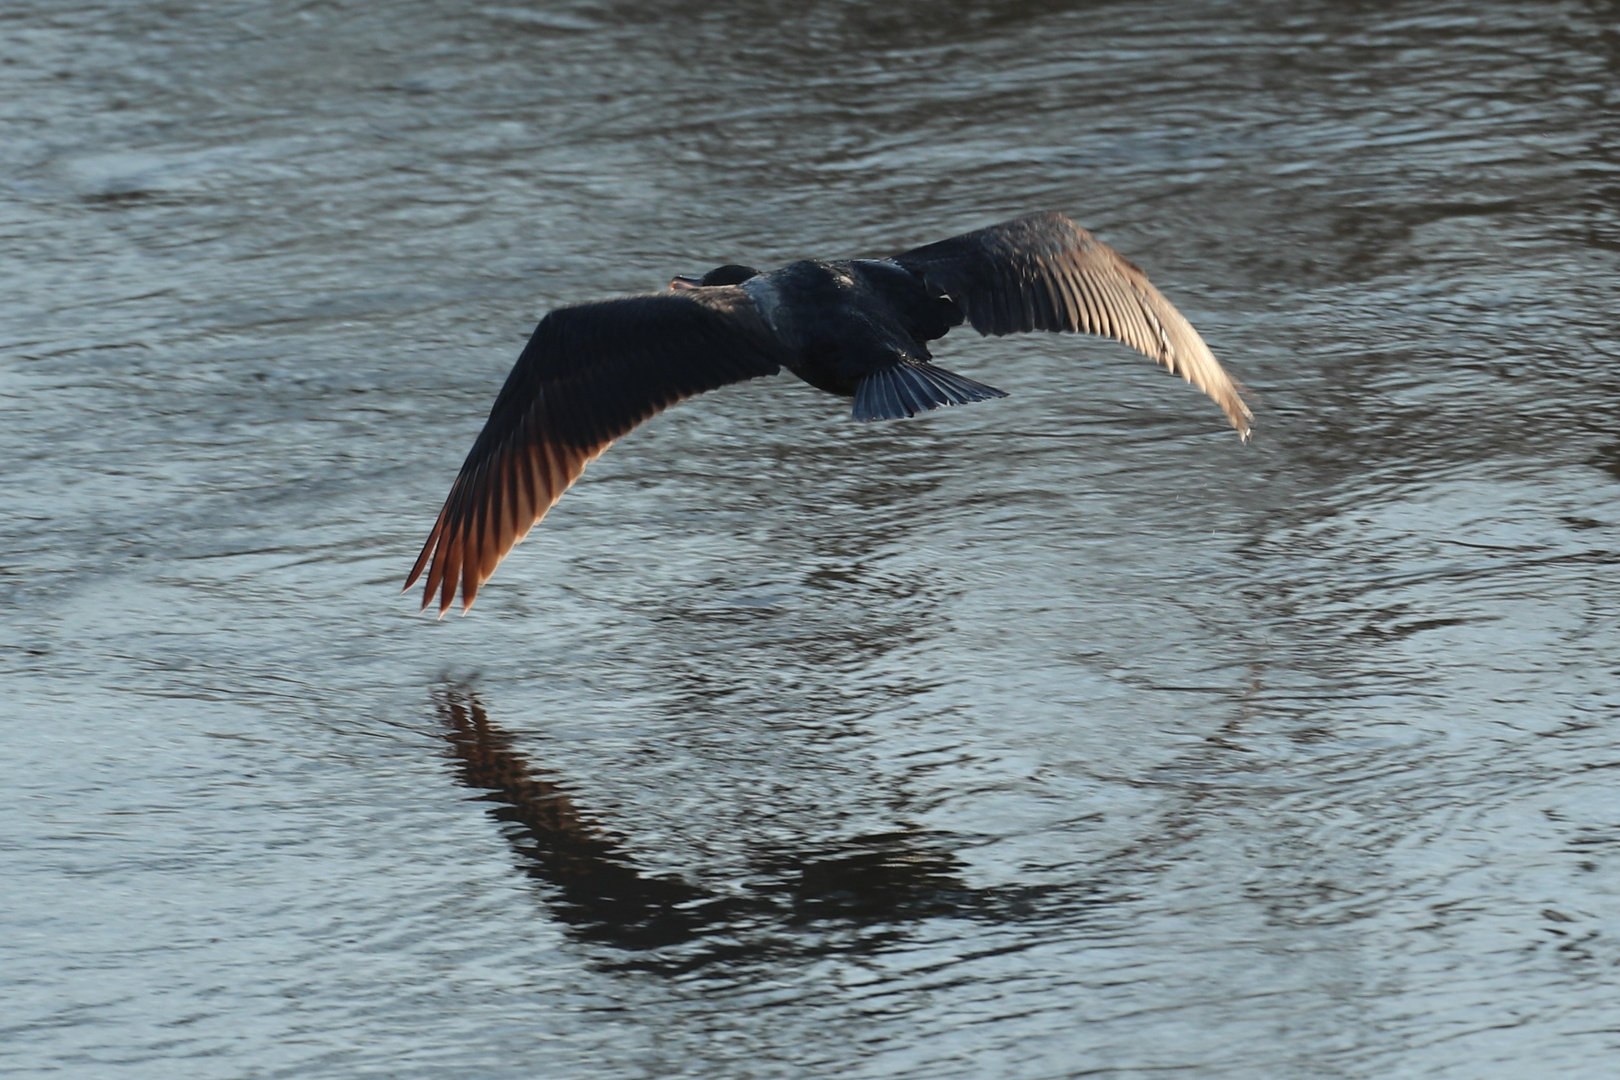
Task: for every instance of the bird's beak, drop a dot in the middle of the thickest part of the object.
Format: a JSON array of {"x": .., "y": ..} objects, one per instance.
[{"x": 685, "y": 283}]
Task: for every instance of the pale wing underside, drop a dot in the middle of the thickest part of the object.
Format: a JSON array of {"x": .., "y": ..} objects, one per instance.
[{"x": 1044, "y": 272}]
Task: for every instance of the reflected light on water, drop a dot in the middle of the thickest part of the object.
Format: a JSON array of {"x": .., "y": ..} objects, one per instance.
[{"x": 1051, "y": 736}]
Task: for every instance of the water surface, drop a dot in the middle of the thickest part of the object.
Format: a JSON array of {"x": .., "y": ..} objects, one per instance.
[{"x": 1056, "y": 736}]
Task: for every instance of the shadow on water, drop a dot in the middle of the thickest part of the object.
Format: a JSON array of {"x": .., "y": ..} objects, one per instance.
[{"x": 851, "y": 896}]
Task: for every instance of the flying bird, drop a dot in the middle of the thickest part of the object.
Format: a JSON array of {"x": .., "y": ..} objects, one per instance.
[{"x": 858, "y": 328}]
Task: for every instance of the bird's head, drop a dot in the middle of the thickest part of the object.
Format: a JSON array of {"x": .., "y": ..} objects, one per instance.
[{"x": 729, "y": 274}]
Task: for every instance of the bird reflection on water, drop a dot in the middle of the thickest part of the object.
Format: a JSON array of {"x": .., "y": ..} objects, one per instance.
[{"x": 857, "y": 893}]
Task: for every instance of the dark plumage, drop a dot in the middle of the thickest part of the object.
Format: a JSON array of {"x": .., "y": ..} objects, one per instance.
[{"x": 859, "y": 328}]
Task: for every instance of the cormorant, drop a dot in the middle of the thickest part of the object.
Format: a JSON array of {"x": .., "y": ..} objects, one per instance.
[{"x": 857, "y": 328}]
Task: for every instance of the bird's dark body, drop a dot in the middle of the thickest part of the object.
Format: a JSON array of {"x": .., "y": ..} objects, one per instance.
[
  {"x": 858, "y": 328},
  {"x": 846, "y": 320}
]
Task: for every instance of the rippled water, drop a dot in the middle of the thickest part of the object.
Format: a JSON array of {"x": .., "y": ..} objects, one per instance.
[{"x": 1055, "y": 736}]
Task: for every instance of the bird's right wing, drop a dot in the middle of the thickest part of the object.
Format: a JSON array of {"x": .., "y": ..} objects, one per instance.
[
  {"x": 589, "y": 374},
  {"x": 1044, "y": 272}
]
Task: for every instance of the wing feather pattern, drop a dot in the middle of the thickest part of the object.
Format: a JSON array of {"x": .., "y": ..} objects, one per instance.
[
  {"x": 589, "y": 374},
  {"x": 1044, "y": 272}
]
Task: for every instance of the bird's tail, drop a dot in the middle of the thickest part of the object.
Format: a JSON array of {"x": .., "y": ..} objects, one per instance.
[{"x": 910, "y": 387}]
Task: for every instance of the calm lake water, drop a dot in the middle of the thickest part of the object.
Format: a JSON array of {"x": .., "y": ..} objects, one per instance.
[{"x": 1050, "y": 737}]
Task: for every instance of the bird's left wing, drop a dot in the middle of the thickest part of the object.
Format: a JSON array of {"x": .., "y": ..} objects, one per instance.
[{"x": 589, "y": 374}]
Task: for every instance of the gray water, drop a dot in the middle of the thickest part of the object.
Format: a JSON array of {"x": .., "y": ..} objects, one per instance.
[{"x": 1057, "y": 736}]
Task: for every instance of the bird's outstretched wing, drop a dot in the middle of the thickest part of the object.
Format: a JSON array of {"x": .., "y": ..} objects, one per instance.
[
  {"x": 589, "y": 374},
  {"x": 1044, "y": 272}
]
